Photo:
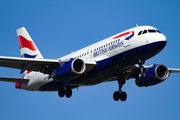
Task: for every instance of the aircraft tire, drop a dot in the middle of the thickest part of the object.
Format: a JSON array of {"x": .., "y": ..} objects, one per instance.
[
  {"x": 61, "y": 92},
  {"x": 142, "y": 75},
  {"x": 68, "y": 92},
  {"x": 123, "y": 96},
  {"x": 116, "y": 95}
]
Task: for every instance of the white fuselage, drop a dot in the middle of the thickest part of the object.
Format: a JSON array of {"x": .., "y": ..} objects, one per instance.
[{"x": 108, "y": 48}]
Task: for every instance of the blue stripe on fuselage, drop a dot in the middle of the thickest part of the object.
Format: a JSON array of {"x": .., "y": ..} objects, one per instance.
[{"x": 129, "y": 37}]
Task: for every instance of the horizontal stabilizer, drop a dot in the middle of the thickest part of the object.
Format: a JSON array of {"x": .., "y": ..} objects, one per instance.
[{"x": 20, "y": 80}]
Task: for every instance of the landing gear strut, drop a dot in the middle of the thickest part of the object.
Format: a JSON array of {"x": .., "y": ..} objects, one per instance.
[
  {"x": 65, "y": 91},
  {"x": 141, "y": 74},
  {"x": 120, "y": 95}
]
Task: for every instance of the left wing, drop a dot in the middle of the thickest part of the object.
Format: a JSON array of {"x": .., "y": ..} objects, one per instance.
[
  {"x": 174, "y": 70},
  {"x": 133, "y": 71}
]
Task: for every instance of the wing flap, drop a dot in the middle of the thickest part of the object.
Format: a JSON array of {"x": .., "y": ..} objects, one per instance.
[{"x": 14, "y": 80}]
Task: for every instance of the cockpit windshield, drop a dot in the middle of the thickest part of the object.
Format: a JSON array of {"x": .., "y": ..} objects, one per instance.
[{"x": 148, "y": 31}]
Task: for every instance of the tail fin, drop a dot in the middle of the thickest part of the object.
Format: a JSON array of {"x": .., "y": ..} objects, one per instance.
[{"x": 28, "y": 48}]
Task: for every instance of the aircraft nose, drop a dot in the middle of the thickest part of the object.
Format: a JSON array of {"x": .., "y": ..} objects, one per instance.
[{"x": 163, "y": 38}]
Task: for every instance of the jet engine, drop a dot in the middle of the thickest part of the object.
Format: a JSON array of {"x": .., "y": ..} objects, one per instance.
[
  {"x": 69, "y": 70},
  {"x": 153, "y": 76}
]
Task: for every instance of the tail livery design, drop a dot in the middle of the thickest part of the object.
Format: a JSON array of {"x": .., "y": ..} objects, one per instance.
[{"x": 28, "y": 48}]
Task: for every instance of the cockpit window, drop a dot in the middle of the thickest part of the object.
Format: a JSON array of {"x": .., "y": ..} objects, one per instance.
[
  {"x": 158, "y": 31},
  {"x": 145, "y": 31},
  {"x": 152, "y": 31},
  {"x": 140, "y": 33},
  {"x": 148, "y": 31}
]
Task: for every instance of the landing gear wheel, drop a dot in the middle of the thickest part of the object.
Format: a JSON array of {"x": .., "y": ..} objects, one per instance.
[
  {"x": 116, "y": 95},
  {"x": 123, "y": 96},
  {"x": 61, "y": 92},
  {"x": 68, "y": 92},
  {"x": 142, "y": 75}
]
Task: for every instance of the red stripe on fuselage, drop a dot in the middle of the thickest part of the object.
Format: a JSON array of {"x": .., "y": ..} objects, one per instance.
[
  {"x": 23, "y": 42},
  {"x": 126, "y": 33}
]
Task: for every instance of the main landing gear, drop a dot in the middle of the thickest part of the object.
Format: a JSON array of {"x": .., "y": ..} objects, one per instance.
[
  {"x": 65, "y": 91},
  {"x": 120, "y": 95}
]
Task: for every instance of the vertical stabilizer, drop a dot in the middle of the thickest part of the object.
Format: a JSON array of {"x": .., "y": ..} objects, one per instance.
[{"x": 28, "y": 48}]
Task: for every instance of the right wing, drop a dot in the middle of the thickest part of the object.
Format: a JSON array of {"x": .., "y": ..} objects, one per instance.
[
  {"x": 45, "y": 66},
  {"x": 20, "y": 80}
]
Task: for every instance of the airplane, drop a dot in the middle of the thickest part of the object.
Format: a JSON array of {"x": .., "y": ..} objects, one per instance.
[{"x": 117, "y": 58}]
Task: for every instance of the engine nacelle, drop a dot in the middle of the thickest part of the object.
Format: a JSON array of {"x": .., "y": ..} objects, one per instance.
[
  {"x": 153, "y": 76},
  {"x": 69, "y": 70}
]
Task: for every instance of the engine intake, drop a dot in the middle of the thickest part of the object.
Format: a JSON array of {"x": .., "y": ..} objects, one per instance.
[
  {"x": 78, "y": 66},
  {"x": 154, "y": 75},
  {"x": 69, "y": 70}
]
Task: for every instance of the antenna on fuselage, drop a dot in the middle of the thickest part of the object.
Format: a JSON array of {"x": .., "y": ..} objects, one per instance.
[{"x": 137, "y": 25}]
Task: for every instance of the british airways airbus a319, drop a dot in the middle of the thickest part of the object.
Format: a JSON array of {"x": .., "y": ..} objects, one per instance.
[{"x": 117, "y": 58}]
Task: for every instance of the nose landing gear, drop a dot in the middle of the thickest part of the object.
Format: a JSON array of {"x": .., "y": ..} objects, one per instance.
[
  {"x": 120, "y": 95},
  {"x": 141, "y": 74}
]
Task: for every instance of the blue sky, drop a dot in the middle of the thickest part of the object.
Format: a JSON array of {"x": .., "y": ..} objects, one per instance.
[{"x": 59, "y": 27}]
